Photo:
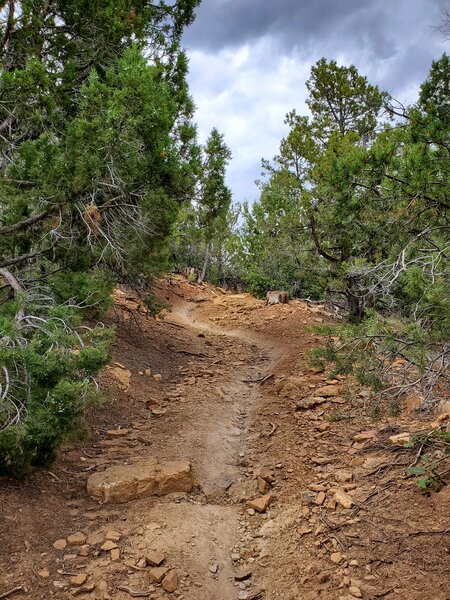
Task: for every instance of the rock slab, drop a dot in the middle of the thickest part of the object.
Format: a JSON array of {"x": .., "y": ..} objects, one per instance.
[{"x": 123, "y": 483}]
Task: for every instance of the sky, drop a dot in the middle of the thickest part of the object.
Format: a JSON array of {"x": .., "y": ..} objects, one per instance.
[{"x": 250, "y": 59}]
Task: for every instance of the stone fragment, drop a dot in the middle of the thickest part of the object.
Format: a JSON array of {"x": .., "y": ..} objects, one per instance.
[
  {"x": 214, "y": 567},
  {"x": 117, "y": 432},
  {"x": 123, "y": 483},
  {"x": 170, "y": 582},
  {"x": 327, "y": 391},
  {"x": 308, "y": 403},
  {"x": 115, "y": 554},
  {"x": 400, "y": 439},
  {"x": 214, "y": 489},
  {"x": 158, "y": 377},
  {"x": 356, "y": 592},
  {"x": 343, "y": 499},
  {"x": 79, "y": 579},
  {"x": 108, "y": 545},
  {"x": 44, "y": 573},
  {"x": 123, "y": 377},
  {"x": 343, "y": 476},
  {"x": 260, "y": 504},
  {"x": 336, "y": 558},
  {"x": 60, "y": 544},
  {"x": 243, "y": 574},
  {"x": 158, "y": 573},
  {"x": 263, "y": 486},
  {"x": 113, "y": 536},
  {"x": 320, "y": 498},
  {"x": 154, "y": 558},
  {"x": 76, "y": 539},
  {"x": 364, "y": 436},
  {"x": 84, "y": 550}
]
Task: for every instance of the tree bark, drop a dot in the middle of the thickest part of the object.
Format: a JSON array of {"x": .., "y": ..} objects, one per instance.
[{"x": 202, "y": 274}]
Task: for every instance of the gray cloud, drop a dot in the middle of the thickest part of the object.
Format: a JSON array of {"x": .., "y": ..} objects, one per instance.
[{"x": 250, "y": 60}]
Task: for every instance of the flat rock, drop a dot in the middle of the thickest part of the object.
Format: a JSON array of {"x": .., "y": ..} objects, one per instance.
[
  {"x": 343, "y": 499},
  {"x": 260, "y": 504},
  {"x": 123, "y": 377},
  {"x": 60, "y": 544},
  {"x": 214, "y": 489},
  {"x": 365, "y": 436},
  {"x": 123, "y": 483},
  {"x": 400, "y": 439},
  {"x": 312, "y": 402},
  {"x": 328, "y": 391},
  {"x": 154, "y": 558},
  {"x": 78, "y": 579},
  {"x": 76, "y": 539},
  {"x": 158, "y": 573}
]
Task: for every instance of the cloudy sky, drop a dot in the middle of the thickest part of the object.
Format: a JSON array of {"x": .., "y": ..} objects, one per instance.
[{"x": 249, "y": 60}]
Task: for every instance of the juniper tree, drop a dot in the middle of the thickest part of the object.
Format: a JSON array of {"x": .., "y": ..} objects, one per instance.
[{"x": 97, "y": 152}]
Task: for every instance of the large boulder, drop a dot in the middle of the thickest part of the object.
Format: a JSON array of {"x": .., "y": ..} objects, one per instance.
[{"x": 123, "y": 483}]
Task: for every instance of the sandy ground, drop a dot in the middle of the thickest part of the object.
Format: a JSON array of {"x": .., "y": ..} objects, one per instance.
[{"x": 230, "y": 399}]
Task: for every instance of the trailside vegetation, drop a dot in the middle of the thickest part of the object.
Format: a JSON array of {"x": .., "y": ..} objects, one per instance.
[
  {"x": 97, "y": 153},
  {"x": 355, "y": 209}
]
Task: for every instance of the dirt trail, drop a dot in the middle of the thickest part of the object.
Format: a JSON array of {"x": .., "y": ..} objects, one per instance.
[{"x": 224, "y": 382}]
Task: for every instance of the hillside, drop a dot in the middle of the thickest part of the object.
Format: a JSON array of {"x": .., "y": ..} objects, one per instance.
[{"x": 221, "y": 394}]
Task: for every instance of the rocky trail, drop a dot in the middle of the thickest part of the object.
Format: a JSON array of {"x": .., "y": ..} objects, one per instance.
[{"x": 222, "y": 467}]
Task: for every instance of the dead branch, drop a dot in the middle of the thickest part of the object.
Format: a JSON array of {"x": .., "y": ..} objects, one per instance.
[
  {"x": 135, "y": 593},
  {"x": 19, "y": 588}
]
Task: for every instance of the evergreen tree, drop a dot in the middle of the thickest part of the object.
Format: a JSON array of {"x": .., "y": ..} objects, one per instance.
[{"x": 97, "y": 153}]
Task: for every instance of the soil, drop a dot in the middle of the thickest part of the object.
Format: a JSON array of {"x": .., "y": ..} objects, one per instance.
[{"x": 229, "y": 395}]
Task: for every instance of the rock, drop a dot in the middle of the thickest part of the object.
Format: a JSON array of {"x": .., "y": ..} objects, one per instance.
[
  {"x": 327, "y": 391},
  {"x": 84, "y": 550},
  {"x": 76, "y": 539},
  {"x": 147, "y": 372},
  {"x": 243, "y": 574},
  {"x": 336, "y": 558},
  {"x": 158, "y": 411},
  {"x": 123, "y": 377},
  {"x": 364, "y": 436},
  {"x": 44, "y": 573},
  {"x": 400, "y": 439},
  {"x": 243, "y": 490},
  {"x": 356, "y": 592},
  {"x": 123, "y": 483},
  {"x": 308, "y": 403},
  {"x": 115, "y": 554},
  {"x": 117, "y": 432},
  {"x": 214, "y": 489},
  {"x": 79, "y": 579},
  {"x": 320, "y": 498},
  {"x": 60, "y": 544},
  {"x": 263, "y": 486},
  {"x": 214, "y": 567},
  {"x": 158, "y": 377},
  {"x": 304, "y": 530},
  {"x": 113, "y": 536},
  {"x": 343, "y": 476},
  {"x": 170, "y": 582},
  {"x": 154, "y": 558},
  {"x": 276, "y": 297},
  {"x": 107, "y": 546},
  {"x": 343, "y": 499},
  {"x": 158, "y": 573},
  {"x": 260, "y": 504}
]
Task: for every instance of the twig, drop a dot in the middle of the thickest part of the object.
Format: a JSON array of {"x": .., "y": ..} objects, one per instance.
[
  {"x": 430, "y": 532},
  {"x": 135, "y": 593},
  {"x": 272, "y": 431},
  {"x": 260, "y": 380},
  {"x": 19, "y": 588}
]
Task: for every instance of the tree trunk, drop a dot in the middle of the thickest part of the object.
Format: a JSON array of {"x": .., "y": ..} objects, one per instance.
[
  {"x": 202, "y": 274},
  {"x": 355, "y": 302}
]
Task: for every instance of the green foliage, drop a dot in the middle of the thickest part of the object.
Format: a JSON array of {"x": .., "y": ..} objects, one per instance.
[
  {"x": 429, "y": 465},
  {"x": 98, "y": 152},
  {"x": 155, "y": 305}
]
